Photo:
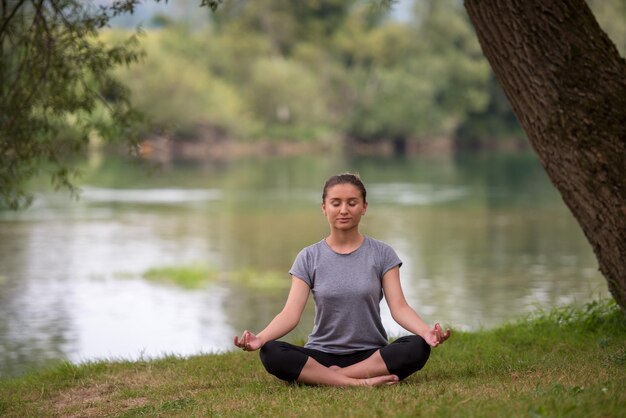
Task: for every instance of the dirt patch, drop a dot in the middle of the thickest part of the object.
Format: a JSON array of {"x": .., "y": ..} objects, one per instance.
[
  {"x": 93, "y": 401},
  {"x": 82, "y": 401}
]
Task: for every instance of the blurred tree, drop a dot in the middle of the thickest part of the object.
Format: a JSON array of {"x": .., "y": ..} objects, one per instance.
[
  {"x": 394, "y": 104},
  {"x": 365, "y": 42},
  {"x": 285, "y": 22},
  {"x": 566, "y": 83},
  {"x": 483, "y": 128},
  {"x": 286, "y": 98},
  {"x": 446, "y": 35},
  {"x": 332, "y": 79},
  {"x": 231, "y": 53},
  {"x": 278, "y": 55},
  {"x": 174, "y": 88},
  {"x": 416, "y": 81}
]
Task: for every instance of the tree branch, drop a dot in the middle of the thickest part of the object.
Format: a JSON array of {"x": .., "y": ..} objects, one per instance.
[{"x": 6, "y": 21}]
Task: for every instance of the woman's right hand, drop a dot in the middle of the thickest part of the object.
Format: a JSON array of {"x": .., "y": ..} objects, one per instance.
[{"x": 248, "y": 341}]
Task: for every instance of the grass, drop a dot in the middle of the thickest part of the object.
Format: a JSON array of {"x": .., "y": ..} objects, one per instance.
[
  {"x": 260, "y": 279},
  {"x": 567, "y": 362},
  {"x": 189, "y": 277},
  {"x": 196, "y": 276}
]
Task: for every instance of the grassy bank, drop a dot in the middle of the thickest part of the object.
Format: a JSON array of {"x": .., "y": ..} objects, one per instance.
[{"x": 568, "y": 362}]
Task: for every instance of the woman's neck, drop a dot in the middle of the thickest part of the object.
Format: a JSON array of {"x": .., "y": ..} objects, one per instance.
[{"x": 345, "y": 241}]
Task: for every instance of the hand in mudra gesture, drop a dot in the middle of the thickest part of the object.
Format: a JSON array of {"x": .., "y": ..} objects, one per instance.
[
  {"x": 248, "y": 341},
  {"x": 436, "y": 336}
]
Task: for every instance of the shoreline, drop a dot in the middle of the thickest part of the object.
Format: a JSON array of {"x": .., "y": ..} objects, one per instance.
[{"x": 162, "y": 148}]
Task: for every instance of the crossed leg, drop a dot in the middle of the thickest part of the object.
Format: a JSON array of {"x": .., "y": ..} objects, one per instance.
[
  {"x": 370, "y": 367},
  {"x": 399, "y": 360},
  {"x": 314, "y": 373}
]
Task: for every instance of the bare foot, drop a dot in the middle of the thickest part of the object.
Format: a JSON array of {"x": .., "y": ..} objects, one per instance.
[{"x": 390, "y": 379}]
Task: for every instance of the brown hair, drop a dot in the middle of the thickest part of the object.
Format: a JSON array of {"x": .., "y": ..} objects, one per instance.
[{"x": 345, "y": 178}]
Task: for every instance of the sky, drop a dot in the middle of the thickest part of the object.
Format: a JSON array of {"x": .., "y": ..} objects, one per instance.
[{"x": 190, "y": 11}]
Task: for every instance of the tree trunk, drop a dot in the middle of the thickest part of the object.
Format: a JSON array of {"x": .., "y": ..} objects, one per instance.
[{"x": 566, "y": 83}]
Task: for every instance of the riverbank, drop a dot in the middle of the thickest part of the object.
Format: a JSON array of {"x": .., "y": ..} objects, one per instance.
[
  {"x": 568, "y": 362},
  {"x": 220, "y": 148}
]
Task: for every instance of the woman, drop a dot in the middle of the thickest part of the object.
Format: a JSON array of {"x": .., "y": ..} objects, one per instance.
[{"x": 347, "y": 273}]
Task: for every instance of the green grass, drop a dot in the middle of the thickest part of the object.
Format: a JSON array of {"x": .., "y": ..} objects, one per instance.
[
  {"x": 260, "y": 279},
  {"x": 570, "y": 362},
  {"x": 195, "y": 276},
  {"x": 190, "y": 277}
]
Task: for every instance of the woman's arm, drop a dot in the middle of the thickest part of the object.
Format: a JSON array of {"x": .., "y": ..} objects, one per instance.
[
  {"x": 406, "y": 316},
  {"x": 282, "y": 323}
]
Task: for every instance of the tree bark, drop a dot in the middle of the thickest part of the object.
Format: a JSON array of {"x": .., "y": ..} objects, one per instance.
[{"x": 566, "y": 83}]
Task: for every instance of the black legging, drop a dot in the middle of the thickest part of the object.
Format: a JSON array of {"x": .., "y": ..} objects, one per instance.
[{"x": 403, "y": 357}]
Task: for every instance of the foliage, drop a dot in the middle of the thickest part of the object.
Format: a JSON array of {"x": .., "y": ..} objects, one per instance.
[
  {"x": 179, "y": 95},
  {"x": 56, "y": 89},
  {"x": 283, "y": 94},
  {"x": 534, "y": 367},
  {"x": 308, "y": 70},
  {"x": 284, "y": 22},
  {"x": 393, "y": 103},
  {"x": 425, "y": 85},
  {"x": 602, "y": 316}
]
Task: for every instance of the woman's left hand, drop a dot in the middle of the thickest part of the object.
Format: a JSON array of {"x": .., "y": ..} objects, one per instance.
[{"x": 436, "y": 336}]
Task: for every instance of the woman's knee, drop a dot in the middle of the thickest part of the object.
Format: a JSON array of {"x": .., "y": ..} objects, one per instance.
[
  {"x": 420, "y": 350},
  {"x": 282, "y": 360},
  {"x": 406, "y": 355},
  {"x": 270, "y": 355}
]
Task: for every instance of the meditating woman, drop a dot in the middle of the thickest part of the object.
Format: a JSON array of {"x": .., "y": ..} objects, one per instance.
[{"x": 348, "y": 273}]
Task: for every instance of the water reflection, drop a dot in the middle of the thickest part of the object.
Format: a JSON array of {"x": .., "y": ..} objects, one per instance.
[
  {"x": 149, "y": 320},
  {"x": 414, "y": 194},
  {"x": 152, "y": 196},
  {"x": 483, "y": 239}
]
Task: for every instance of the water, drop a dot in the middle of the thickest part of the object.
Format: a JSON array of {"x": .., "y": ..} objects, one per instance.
[{"x": 484, "y": 239}]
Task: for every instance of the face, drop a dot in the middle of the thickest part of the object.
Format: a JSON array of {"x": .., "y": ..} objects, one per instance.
[{"x": 343, "y": 206}]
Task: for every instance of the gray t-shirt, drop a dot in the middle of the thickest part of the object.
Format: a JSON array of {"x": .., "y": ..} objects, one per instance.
[{"x": 347, "y": 289}]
